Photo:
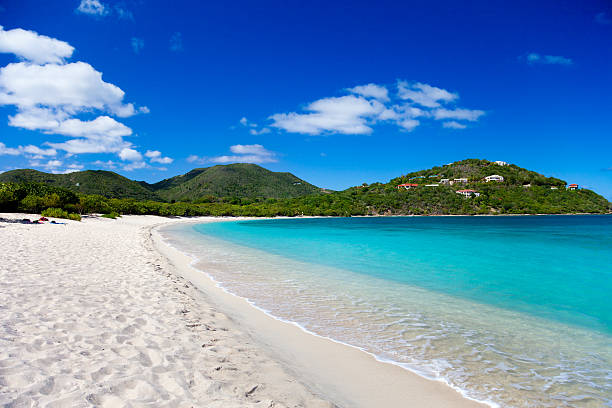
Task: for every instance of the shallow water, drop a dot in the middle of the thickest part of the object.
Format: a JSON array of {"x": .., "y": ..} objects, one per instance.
[{"x": 513, "y": 310}]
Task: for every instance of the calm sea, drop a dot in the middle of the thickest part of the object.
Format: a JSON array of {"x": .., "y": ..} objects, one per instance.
[{"x": 512, "y": 310}]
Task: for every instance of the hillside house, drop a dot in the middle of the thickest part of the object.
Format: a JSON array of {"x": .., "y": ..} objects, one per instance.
[
  {"x": 572, "y": 187},
  {"x": 494, "y": 177},
  {"x": 445, "y": 181},
  {"x": 554, "y": 188},
  {"x": 501, "y": 163},
  {"x": 407, "y": 186},
  {"x": 468, "y": 193},
  {"x": 459, "y": 181},
  {"x": 431, "y": 185}
]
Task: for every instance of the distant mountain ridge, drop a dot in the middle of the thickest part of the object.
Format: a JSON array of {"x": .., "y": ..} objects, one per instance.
[
  {"x": 240, "y": 180},
  {"x": 471, "y": 186}
]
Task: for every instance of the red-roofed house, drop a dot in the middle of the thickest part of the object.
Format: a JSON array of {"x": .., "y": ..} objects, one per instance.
[
  {"x": 406, "y": 186},
  {"x": 572, "y": 187}
]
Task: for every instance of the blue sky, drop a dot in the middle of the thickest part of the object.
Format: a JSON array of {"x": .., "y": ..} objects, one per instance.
[{"x": 338, "y": 93}]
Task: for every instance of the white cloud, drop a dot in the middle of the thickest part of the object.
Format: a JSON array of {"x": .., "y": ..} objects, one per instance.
[
  {"x": 535, "y": 58},
  {"x": 93, "y": 8},
  {"x": 453, "y": 125},
  {"x": 109, "y": 164},
  {"x": 471, "y": 115},
  {"x": 371, "y": 91},
  {"x": 408, "y": 124},
  {"x": 413, "y": 104},
  {"x": 31, "y": 151},
  {"x": 254, "y": 153},
  {"x": 194, "y": 158},
  {"x": 176, "y": 42},
  {"x": 49, "y": 94},
  {"x": 37, "y": 151},
  {"x": 137, "y": 44},
  {"x": 73, "y": 88},
  {"x": 33, "y": 47},
  {"x": 262, "y": 131},
  {"x": 127, "y": 154},
  {"x": 134, "y": 166},
  {"x": 155, "y": 156},
  {"x": 244, "y": 121},
  {"x": 345, "y": 114},
  {"x": 424, "y": 94},
  {"x": 10, "y": 151}
]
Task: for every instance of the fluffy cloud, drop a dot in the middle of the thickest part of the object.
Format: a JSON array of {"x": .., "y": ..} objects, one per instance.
[
  {"x": 371, "y": 91},
  {"x": 424, "y": 94},
  {"x": 345, "y": 114},
  {"x": 51, "y": 96},
  {"x": 31, "y": 151},
  {"x": 453, "y": 125},
  {"x": 535, "y": 58},
  {"x": 371, "y": 104},
  {"x": 73, "y": 88},
  {"x": 10, "y": 151},
  {"x": 254, "y": 153},
  {"x": 134, "y": 166},
  {"x": 471, "y": 115},
  {"x": 93, "y": 8},
  {"x": 33, "y": 47},
  {"x": 155, "y": 156},
  {"x": 127, "y": 154}
]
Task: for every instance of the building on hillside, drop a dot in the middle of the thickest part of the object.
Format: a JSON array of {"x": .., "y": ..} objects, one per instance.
[
  {"x": 554, "y": 188},
  {"x": 459, "y": 180},
  {"x": 468, "y": 193},
  {"x": 572, "y": 187},
  {"x": 494, "y": 177},
  {"x": 406, "y": 186},
  {"x": 431, "y": 185},
  {"x": 445, "y": 181},
  {"x": 500, "y": 163},
  {"x": 527, "y": 185}
]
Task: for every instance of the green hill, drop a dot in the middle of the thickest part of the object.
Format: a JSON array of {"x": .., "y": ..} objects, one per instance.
[
  {"x": 233, "y": 180},
  {"x": 223, "y": 181},
  {"x": 105, "y": 183},
  {"x": 250, "y": 190}
]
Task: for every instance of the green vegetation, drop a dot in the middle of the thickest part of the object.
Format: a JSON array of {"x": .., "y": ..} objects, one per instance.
[
  {"x": 112, "y": 215},
  {"x": 231, "y": 181},
  {"x": 59, "y": 213},
  {"x": 101, "y": 182},
  {"x": 521, "y": 192},
  {"x": 240, "y": 180}
]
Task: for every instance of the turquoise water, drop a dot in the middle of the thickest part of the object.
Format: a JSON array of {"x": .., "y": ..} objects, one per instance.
[{"x": 511, "y": 310}]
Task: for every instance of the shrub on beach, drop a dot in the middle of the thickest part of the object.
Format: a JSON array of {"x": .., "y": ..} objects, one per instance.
[
  {"x": 59, "y": 213},
  {"x": 111, "y": 215}
]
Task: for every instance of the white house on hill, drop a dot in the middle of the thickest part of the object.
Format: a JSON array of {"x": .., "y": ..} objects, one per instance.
[
  {"x": 494, "y": 177},
  {"x": 501, "y": 163},
  {"x": 468, "y": 193}
]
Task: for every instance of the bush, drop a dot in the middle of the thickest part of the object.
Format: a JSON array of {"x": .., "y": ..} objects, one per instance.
[
  {"x": 59, "y": 213},
  {"x": 74, "y": 217},
  {"x": 111, "y": 215},
  {"x": 55, "y": 213}
]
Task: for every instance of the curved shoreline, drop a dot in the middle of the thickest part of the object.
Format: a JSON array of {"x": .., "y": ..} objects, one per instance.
[{"x": 333, "y": 368}]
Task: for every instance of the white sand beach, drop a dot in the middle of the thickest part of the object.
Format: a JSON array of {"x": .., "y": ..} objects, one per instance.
[{"x": 103, "y": 313}]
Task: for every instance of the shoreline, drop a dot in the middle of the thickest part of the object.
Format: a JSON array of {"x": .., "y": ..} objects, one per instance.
[{"x": 324, "y": 364}]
